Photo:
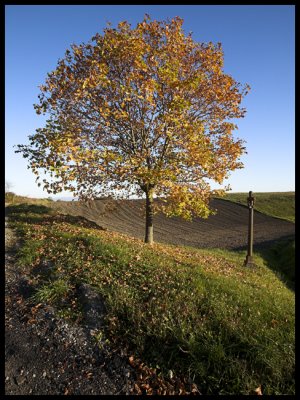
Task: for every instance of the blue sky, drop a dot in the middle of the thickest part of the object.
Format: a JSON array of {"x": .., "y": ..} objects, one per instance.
[{"x": 259, "y": 49}]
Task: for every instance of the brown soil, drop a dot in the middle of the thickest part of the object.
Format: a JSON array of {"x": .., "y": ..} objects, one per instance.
[{"x": 228, "y": 228}]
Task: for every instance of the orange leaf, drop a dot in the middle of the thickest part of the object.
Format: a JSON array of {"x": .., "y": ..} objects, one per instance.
[{"x": 258, "y": 391}]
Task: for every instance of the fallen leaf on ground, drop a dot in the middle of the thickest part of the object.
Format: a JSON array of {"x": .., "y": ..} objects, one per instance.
[{"x": 258, "y": 391}]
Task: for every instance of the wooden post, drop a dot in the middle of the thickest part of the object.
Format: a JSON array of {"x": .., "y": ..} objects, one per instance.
[{"x": 249, "y": 258}]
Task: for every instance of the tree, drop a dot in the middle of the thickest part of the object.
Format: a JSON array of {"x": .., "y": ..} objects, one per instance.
[
  {"x": 145, "y": 111},
  {"x": 8, "y": 186},
  {"x": 9, "y": 195}
]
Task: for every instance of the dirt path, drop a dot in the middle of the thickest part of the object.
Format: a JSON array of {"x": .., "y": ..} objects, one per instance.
[{"x": 46, "y": 355}]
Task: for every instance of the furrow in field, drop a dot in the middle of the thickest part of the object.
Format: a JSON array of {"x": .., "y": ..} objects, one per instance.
[{"x": 227, "y": 228}]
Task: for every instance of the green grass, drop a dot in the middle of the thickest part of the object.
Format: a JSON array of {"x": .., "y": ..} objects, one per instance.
[
  {"x": 53, "y": 292},
  {"x": 12, "y": 198},
  {"x": 199, "y": 313},
  {"x": 281, "y": 204}
]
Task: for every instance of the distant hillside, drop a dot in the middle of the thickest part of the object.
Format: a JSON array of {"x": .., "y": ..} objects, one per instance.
[
  {"x": 228, "y": 228},
  {"x": 276, "y": 204}
]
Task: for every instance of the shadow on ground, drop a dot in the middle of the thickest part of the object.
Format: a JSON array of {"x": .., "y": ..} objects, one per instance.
[
  {"x": 279, "y": 256},
  {"x": 41, "y": 214}
]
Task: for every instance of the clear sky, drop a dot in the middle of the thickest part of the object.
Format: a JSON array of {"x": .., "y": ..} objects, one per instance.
[{"x": 259, "y": 49}]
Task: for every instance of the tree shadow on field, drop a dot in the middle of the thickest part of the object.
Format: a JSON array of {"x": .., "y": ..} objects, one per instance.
[
  {"x": 27, "y": 208},
  {"x": 43, "y": 215}
]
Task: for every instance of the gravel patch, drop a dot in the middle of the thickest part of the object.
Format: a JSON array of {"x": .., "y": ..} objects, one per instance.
[{"x": 45, "y": 354}]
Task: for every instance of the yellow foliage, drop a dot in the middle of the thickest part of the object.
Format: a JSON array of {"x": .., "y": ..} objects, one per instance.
[{"x": 144, "y": 107}]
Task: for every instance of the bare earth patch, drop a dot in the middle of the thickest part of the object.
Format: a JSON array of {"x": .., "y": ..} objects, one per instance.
[{"x": 228, "y": 228}]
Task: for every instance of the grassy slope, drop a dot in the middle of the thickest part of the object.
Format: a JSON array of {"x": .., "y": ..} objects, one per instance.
[
  {"x": 281, "y": 204},
  {"x": 196, "y": 312},
  {"x": 280, "y": 257},
  {"x": 12, "y": 198}
]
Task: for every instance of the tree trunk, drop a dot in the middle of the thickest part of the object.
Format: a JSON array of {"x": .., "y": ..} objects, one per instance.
[{"x": 149, "y": 217}]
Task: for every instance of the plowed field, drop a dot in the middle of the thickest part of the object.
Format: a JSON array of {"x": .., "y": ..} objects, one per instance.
[{"x": 226, "y": 229}]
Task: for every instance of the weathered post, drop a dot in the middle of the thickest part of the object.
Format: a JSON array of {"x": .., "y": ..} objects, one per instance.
[{"x": 249, "y": 258}]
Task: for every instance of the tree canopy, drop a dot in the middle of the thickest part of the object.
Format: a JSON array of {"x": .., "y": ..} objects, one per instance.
[{"x": 139, "y": 110}]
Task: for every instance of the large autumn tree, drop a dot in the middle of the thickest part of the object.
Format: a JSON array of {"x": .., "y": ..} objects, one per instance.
[{"x": 145, "y": 111}]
